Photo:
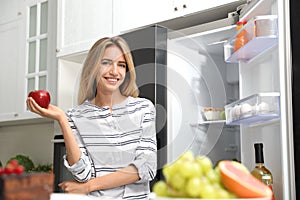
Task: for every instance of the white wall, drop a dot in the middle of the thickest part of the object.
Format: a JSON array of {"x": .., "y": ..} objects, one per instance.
[{"x": 33, "y": 140}]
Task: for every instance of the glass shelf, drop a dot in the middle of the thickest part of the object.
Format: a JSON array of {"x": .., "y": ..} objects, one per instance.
[
  {"x": 262, "y": 34},
  {"x": 252, "y": 49},
  {"x": 207, "y": 123},
  {"x": 255, "y": 109}
]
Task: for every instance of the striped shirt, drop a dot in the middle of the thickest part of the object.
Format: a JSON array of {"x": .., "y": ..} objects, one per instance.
[{"x": 110, "y": 141}]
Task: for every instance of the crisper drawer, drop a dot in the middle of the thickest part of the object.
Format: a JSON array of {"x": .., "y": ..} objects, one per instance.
[
  {"x": 261, "y": 34},
  {"x": 257, "y": 108}
]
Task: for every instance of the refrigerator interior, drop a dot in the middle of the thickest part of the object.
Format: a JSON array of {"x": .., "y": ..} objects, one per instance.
[{"x": 199, "y": 77}]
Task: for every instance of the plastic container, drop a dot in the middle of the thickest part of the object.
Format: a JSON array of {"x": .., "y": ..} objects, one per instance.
[
  {"x": 241, "y": 37},
  {"x": 212, "y": 114},
  {"x": 261, "y": 33},
  {"x": 254, "y": 109}
]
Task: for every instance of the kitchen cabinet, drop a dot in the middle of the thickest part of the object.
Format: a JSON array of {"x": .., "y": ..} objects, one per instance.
[
  {"x": 27, "y": 56},
  {"x": 10, "y": 63},
  {"x": 132, "y": 14},
  {"x": 80, "y": 23},
  {"x": 11, "y": 34}
]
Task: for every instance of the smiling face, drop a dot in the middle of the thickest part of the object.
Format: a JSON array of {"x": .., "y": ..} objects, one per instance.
[{"x": 112, "y": 70}]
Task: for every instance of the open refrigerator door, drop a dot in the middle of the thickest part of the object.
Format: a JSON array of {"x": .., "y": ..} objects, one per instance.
[{"x": 251, "y": 84}]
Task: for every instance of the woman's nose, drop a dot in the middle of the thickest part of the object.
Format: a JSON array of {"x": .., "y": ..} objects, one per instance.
[{"x": 114, "y": 68}]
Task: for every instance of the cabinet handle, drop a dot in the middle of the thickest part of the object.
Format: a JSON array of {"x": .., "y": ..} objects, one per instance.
[
  {"x": 57, "y": 50},
  {"x": 175, "y": 9},
  {"x": 184, "y": 6}
]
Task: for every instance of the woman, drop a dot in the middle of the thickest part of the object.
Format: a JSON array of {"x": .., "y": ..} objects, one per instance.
[{"x": 110, "y": 137}]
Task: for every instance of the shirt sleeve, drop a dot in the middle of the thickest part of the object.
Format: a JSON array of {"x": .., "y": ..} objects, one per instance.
[
  {"x": 82, "y": 171},
  {"x": 146, "y": 152}
]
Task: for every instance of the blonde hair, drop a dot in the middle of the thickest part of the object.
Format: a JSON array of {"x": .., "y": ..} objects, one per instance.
[{"x": 88, "y": 83}]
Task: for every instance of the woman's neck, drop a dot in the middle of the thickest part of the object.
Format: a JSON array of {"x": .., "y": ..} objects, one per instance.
[{"x": 102, "y": 99}]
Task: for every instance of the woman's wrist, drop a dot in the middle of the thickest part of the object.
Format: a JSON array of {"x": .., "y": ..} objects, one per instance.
[
  {"x": 91, "y": 185},
  {"x": 62, "y": 120}
]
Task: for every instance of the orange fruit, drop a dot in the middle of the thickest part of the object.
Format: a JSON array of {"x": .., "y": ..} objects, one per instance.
[{"x": 240, "y": 182}]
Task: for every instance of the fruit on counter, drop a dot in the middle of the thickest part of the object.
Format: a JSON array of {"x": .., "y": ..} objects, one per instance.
[
  {"x": 191, "y": 177},
  {"x": 12, "y": 167},
  {"x": 160, "y": 188},
  {"x": 24, "y": 161},
  {"x": 238, "y": 180},
  {"x": 41, "y": 97}
]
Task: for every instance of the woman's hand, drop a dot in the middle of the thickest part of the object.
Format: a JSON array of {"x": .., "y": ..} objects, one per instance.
[
  {"x": 52, "y": 112},
  {"x": 74, "y": 187}
]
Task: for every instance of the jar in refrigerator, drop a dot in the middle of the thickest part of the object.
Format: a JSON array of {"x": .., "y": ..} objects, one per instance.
[{"x": 241, "y": 38}]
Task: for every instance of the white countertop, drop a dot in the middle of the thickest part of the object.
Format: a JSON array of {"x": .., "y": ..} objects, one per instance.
[{"x": 65, "y": 196}]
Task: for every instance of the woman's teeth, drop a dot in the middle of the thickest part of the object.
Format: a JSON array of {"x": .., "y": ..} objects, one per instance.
[{"x": 112, "y": 79}]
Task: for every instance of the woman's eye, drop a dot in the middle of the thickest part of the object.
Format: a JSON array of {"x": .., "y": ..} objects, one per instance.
[
  {"x": 123, "y": 65},
  {"x": 105, "y": 62}
]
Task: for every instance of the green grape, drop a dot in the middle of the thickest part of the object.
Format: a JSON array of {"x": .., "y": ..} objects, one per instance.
[
  {"x": 188, "y": 155},
  {"x": 190, "y": 169},
  {"x": 222, "y": 193},
  {"x": 193, "y": 187},
  {"x": 160, "y": 188},
  {"x": 169, "y": 171},
  {"x": 205, "y": 163},
  {"x": 176, "y": 193},
  {"x": 203, "y": 182},
  {"x": 208, "y": 191},
  {"x": 177, "y": 181},
  {"x": 212, "y": 176},
  {"x": 217, "y": 171}
]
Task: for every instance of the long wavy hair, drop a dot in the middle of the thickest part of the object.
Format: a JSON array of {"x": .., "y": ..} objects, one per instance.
[{"x": 88, "y": 83}]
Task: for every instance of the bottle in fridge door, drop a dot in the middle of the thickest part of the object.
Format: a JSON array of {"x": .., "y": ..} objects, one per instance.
[{"x": 261, "y": 172}]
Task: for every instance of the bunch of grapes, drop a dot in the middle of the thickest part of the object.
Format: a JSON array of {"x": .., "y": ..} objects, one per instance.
[{"x": 191, "y": 177}]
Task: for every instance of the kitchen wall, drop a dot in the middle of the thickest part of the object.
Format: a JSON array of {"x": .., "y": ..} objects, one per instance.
[{"x": 33, "y": 140}]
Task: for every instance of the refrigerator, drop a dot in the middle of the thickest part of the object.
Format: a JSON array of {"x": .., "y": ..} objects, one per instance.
[{"x": 186, "y": 68}]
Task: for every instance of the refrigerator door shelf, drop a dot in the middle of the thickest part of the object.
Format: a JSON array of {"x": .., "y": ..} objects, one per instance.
[
  {"x": 260, "y": 33},
  {"x": 255, "y": 109}
]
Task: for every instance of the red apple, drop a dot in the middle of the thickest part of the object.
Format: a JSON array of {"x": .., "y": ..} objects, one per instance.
[{"x": 41, "y": 97}]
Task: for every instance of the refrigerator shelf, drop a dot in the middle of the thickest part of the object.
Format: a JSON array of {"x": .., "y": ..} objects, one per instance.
[
  {"x": 262, "y": 34},
  {"x": 252, "y": 110},
  {"x": 207, "y": 122}
]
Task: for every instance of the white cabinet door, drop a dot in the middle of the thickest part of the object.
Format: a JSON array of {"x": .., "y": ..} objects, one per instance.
[
  {"x": 27, "y": 61},
  {"x": 193, "y": 6},
  {"x": 9, "y": 62},
  {"x": 80, "y": 23},
  {"x": 131, "y": 14}
]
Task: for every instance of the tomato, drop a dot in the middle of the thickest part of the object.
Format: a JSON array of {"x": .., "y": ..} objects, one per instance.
[{"x": 19, "y": 169}]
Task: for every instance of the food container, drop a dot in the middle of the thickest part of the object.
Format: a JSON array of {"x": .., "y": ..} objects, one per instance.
[
  {"x": 265, "y": 26},
  {"x": 261, "y": 33},
  {"x": 212, "y": 114},
  {"x": 254, "y": 109}
]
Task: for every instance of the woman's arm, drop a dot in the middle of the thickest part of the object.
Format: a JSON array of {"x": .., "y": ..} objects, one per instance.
[
  {"x": 121, "y": 177},
  {"x": 56, "y": 113}
]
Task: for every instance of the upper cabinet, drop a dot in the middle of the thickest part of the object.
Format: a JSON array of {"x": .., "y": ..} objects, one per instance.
[
  {"x": 132, "y": 14},
  {"x": 80, "y": 23},
  {"x": 27, "y": 56}
]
